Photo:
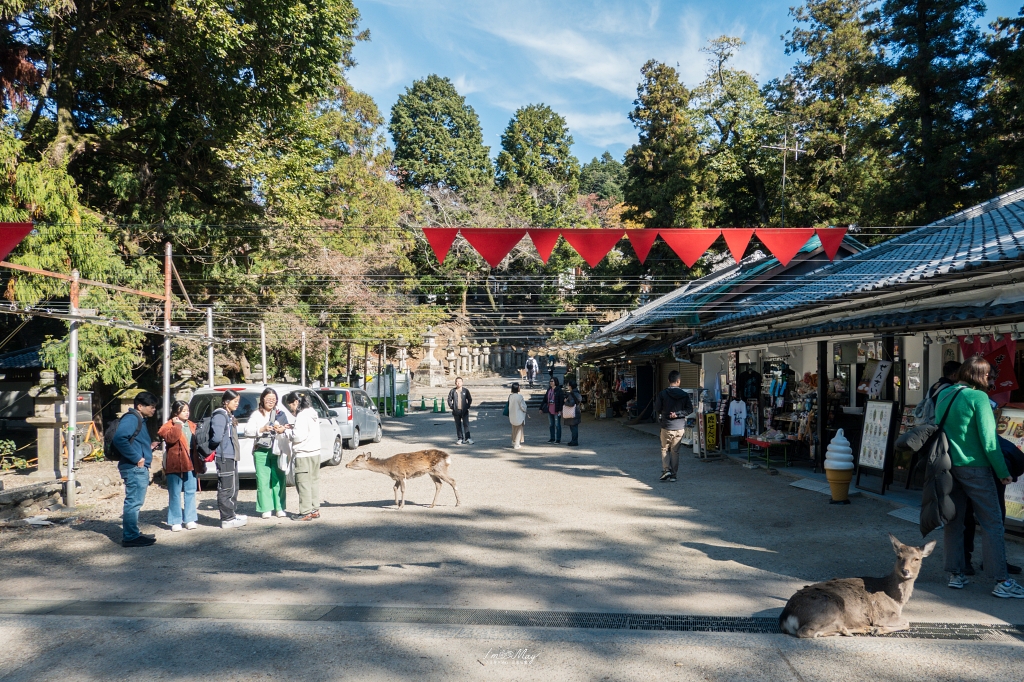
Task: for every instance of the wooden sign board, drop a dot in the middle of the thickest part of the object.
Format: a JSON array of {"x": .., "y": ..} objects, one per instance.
[{"x": 876, "y": 444}]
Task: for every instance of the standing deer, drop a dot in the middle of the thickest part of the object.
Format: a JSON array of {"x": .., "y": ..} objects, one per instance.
[
  {"x": 408, "y": 465},
  {"x": 853, "y": 606}
]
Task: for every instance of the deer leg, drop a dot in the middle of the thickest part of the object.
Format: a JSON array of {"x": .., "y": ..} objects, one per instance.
[
  {"x": 437, "y": 489},
  {"x": 451, "y": 481},
  {"x": 893, "y": 625},
  {"x": 402, "y": 482},
  {"x": 396, "y": 494}
]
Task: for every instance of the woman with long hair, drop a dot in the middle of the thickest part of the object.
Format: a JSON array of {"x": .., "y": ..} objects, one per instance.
[
  {"x": 181, "y": 478},
  {"x": 305, "y": 438},
  {"x": 970, "y": 428},
  {"x": 224, "y": 441},
  {"x": 266, "y": 422},
  {"x": 552, "y": 407},
  {"x": 572, "y": 410}
]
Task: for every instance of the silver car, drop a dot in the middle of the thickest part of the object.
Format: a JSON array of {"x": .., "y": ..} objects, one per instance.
[
  {"x": 206, "y": 400},
  {"x": 356, "y": 414}
]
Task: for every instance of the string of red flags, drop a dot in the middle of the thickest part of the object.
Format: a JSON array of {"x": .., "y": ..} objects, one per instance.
[
  {"x": 11, "y": 235},
  {"x": 493, "y": 244}
]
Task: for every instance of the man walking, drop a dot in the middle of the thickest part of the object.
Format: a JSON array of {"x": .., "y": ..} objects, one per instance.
[
  {"x": 672, "y": 406},
  {"x": 532, "y": 369},
  {"x": 459, "y": 401},
  {"x": 135, "y": 452}
]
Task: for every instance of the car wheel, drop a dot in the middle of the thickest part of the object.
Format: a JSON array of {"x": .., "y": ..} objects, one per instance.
[
  {"x": 377, "y": 437},
  {"x": 353, "y": 442},
  {"x": 338, "y": 453}
]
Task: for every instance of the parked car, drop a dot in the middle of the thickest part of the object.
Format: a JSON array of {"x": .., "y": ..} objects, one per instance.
[
  {"x": 206, "y": 400},
  {"x": 357, "y": 415}
]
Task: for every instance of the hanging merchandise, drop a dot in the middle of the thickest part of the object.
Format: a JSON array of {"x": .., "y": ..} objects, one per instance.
[
  {"x": 748, "y": 384},
  {"x": 737, "y": 418}
]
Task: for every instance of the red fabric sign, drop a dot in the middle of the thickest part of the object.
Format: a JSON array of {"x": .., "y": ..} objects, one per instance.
[
  {"x": 11, "y": 235},
  {"x": 689, "y": 244},
  {"x": 544, "y": 241},
  {"x": 784, "y": 242},
  {"x": 493, "y": 243},
  {"x": 1001, "y": 360},
  {"x": 441, "y": 240},
  {"x": 737, "y": 238},
  {"x": 593, "y": 245},
  {"x": 642, "y": 241},
  {"x": 830, "y": 239}
]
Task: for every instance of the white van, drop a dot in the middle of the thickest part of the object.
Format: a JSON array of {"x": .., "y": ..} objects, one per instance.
[{"x": 206, "y": 400}]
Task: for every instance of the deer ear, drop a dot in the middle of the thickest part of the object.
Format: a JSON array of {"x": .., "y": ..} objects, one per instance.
[
  {"x": 927, "y": 549},
  {"x": 896, "y": 544}
]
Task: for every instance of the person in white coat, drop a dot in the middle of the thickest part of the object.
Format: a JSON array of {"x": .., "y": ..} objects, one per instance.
[
  {"x": 305, "y": 439},
  {"x": 517, "y": 415}
]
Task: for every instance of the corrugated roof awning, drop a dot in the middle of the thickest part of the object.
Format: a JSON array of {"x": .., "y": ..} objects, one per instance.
[{"x": 904, "y": 321}]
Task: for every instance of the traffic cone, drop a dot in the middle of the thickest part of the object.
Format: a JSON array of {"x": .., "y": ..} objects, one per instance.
[
  {"x": 442, "y": 406},
  {"x": 423, "y": 402},
  {"x": 435, "y": 405}
]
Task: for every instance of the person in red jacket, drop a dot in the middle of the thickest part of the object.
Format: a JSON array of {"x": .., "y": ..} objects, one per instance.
[{"x": 178, "y": 433}]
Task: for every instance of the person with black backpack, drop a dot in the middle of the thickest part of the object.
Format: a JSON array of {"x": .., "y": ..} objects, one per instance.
[
  {"x": 223, "y": 443},
  {"x": 133, "y": 449}
]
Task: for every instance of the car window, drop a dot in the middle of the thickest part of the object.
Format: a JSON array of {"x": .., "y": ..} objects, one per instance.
[
  {"x": 318, "y": 405},
  {"x": 202, "y": 406},
  {"x": 364, "y": 400},
  {"x": 199, "y": 408},
  {"x": 334, "y": 398}
]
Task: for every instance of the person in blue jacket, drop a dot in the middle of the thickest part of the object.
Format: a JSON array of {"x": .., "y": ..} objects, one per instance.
[{"x": 135, "y": 451}]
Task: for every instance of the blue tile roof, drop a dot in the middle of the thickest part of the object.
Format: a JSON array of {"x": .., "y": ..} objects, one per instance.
[
  {"x": 983, "y": 236},
  {"x": 26, "y": 358}
]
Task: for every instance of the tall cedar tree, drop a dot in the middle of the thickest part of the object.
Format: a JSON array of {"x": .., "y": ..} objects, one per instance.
[
  {"x": 603, "y": 177},
  {"x": 838, "y": 111},
  {"x": 933, "y": 47},
  {"x": 437, "y": 137},
  {"x": 661, "y": 188},
  {"x": 1001, "y": 166}
]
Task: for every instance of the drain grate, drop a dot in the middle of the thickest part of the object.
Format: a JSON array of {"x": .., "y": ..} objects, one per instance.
[{"x": 451, "y": 616}]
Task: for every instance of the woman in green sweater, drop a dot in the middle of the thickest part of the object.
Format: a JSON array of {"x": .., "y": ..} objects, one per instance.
[{"x": 970, "y": 428}]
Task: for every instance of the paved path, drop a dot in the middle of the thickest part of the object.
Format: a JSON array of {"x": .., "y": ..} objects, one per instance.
[{"x": 546, "y": 528}]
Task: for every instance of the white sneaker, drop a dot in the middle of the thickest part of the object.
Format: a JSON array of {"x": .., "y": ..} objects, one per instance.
[
  {"x": 958, "y": 581},
  {"x": 458, "y": 442},
  {"x": 176, "y": 527},
  {"x": 1009, "y": 590},
  {"x": 236, "y": 522},
  {"x": 242, "y": 516},
  {"x": 469, "y": 441},
  {"x": 267, "y": 515},
  {"x": 517, "y": 447},
  {"x": 191, "y": 525},
  {"x": 282, "y": 514}
]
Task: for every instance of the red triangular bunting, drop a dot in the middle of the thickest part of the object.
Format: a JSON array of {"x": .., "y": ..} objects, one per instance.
[
  {"x": 593, "y": 245},
  {"x": 784, "y": 242},
  {"x": 492, "y": 243},
  {"x": 11, "y": 235},
  {"x": 689, "y": 243},
  {"x": 642, "y": 241},
  {"x": 737, "y": 238},
  {"x": 545, "y": 241},
  {"x": 830, "y": 239},
  {"x": 441, "y": 240}
]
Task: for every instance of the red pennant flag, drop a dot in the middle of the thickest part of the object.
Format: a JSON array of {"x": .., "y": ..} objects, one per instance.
[
  {"x": 689, "y": 243},
  {"x": 642, "y": 241},
  {"x": 784, "y": 242},
  {"x": 593, "y": 245},
  {"x": 545, "y": 241},
  {"x": 830, "y": 239},
  {"x": 441, "y": 240},
  {"x": 11, "y": 235},
  {"x": 737, "y": 238},
  {"x": 492, "y": 243}
]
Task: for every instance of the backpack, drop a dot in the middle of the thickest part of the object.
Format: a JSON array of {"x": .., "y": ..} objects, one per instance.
[
  {"x": 111, "y": 453},
  {"x": 201, "y": 439},
  {"x": 937, "y": 508}
]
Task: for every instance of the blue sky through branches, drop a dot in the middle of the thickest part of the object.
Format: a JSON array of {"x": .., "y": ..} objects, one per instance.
[{"x": 580, "y": 57}]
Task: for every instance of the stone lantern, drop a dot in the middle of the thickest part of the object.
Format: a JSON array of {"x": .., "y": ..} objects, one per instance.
[
  {"x": 485, "y": 360},
  {"x": 449, "y": 351},
  {"x": 49, "y": 419},
  {"x": 431, "y": 370},
  {"x": 464, "y": 355},
  {"x": 475, "y": 364},
  {"x": 403, "y": 353}
]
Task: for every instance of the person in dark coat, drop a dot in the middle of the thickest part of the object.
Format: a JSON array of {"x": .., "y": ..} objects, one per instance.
[
  {"x": 459, "y": 402},
  {"x": 135, "y": 456},
  {"x": 573, "y": 400},
  {"x": 672, "y": 406},
  {"x": 552, "y": 407}
]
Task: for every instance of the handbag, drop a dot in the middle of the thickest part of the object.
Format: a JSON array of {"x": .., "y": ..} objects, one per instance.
[
  {"x": 505, "y": 411},
  {"x": 1013, "y": 457},
  {"x": 568, "y": 411}
]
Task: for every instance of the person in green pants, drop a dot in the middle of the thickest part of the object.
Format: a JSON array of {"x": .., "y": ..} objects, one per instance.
[{"x": 265, "y": 424}]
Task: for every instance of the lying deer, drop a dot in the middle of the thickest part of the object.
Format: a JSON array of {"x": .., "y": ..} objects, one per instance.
[
  {"x": 857, "y": 606},
  {"x": 408, "y": 465}
]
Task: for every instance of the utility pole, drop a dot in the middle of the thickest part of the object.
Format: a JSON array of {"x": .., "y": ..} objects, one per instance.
[
  {"x": 167, "y": 339},
  {"x": 209, "y": 345},
  {"x": 302, "y": 369},
  {"x": 786, "y": 149},
  {"x": 327, "y": 359},
  {"x": 263, "y": 350},
  {"x": 69, "y": 489}
]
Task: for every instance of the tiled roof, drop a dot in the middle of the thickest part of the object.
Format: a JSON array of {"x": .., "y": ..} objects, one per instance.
[
  {"x": 979, "y": 237},
  {"x": 889, "y": 322},
  {"x": 26, "y": 358}
]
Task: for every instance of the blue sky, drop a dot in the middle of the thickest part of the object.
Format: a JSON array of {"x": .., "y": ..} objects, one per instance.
[{"x": 580, "y": 57}]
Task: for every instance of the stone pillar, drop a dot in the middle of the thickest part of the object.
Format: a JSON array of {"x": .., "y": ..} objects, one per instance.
[
  {"x": 185, "y": 387},
  {"x": 49, "y": 419},
  {"x": 402, "y": 347},
  {"x": 464, "y": 355},
  {"x": 449, "y": 357},
  {"x": 485, "y": 356},
  {"x": 476, "y": 357}
]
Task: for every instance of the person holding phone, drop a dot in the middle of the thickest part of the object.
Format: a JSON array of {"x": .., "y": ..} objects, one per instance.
[{"x": 266, "y": 423}]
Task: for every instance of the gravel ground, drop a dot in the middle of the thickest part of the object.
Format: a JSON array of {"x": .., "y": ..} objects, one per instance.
[{"x": 545, "y": 527}]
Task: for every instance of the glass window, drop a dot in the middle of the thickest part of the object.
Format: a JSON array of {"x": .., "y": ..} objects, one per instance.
[
  {"x": 318, "y": 405},
  {"x": 334, "y": 398},
  {"x": 202, "y": 406}
]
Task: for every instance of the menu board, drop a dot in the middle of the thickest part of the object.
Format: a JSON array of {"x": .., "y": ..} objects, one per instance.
[
  {"x": 1011, "y": 427},
  {"x": 874, "y": 440}
]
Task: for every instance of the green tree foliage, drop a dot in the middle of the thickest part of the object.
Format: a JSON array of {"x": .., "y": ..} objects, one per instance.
[
  {"x": 437, "y": 137},
  {"x": 933, "y": 47},
  {"x": 1001, "y": 165},
  {"x": 603, "y": 177},
  {"x": 662, "y": 176}
]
